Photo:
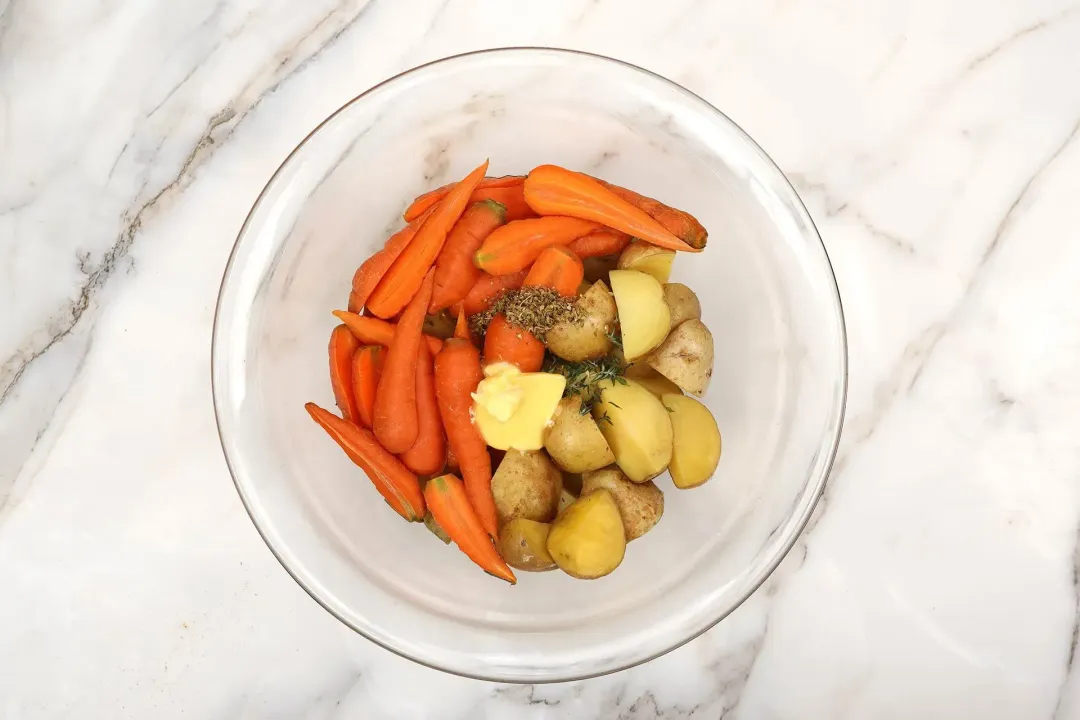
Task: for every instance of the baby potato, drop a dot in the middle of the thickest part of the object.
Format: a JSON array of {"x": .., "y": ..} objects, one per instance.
[
  {"x": 526, "y": 485},
  {"x": 574, "y": 442},
  {"x": 588, "y": 541},
  {"x": 682, "y": 302},
  {"x": 651, "y": 380},
  {"x": 640, "y": 504},
  {"x": 696, "y": 451},
  {"x": 523, "y": 545},
  {"x": 588, "y": 337},
  {"x": 566, "y": 499},
  {"x": 649, "y": 259},
  {"x": 686, "y": 357},
  {"x": 636, "y": 427},
  {"x": 643, "y": 315}
]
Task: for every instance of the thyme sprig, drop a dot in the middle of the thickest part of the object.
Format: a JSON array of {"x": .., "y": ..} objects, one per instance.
[{"x": 583, "y": 378}]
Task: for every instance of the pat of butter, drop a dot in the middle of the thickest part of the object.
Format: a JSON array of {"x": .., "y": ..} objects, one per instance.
[{"x": 500, "y": 392}]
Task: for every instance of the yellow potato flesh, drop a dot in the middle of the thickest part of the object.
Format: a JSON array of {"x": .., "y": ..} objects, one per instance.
[
  {"x": 587, "y": 540},
  {"x": 513, "y": 411},
  {"x": 649, "y": 259},
  {"x": 657, "y": 384},
  {"x": 696, "y": 451},
  {"x": 636, "y": 427},
  {"x": 523, "y": 545},
  {"x": 643, "y": 315}
]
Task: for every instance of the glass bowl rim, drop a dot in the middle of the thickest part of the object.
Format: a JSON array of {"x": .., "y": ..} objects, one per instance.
[{"x": 832, "y": 439}]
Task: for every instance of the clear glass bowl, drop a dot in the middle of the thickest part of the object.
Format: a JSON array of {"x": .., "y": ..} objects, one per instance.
[{"x": 768, "y": 295}]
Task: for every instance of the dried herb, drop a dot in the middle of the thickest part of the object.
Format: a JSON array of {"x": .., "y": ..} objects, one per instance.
[{"x": 537, "y": 309}]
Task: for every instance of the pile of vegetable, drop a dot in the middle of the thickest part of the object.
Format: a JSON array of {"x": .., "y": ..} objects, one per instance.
[{"x": 512, "y": 366}]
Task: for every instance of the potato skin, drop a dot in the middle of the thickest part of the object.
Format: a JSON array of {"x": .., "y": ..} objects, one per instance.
[
  {"x": 682, "y": 302},
  {"x": 696, "y": 448},
  {"x": 636, "y": 427},
  {"x": 587, "y": 540},
  {"x": 650, "y": 259},
  {"x": 526, "y": 485},
  {"x": 523, "y": 545},
  {"x": 686, "y": 357},
  {"x": 589, "y": 338},
  {"x": 640, "y": 504},
  {"x": 574, "y": 442}
]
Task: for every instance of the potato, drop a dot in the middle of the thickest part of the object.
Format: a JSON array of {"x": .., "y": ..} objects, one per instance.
[
  {"x": 636, "y": 427},
  {"x": 586, "y": 338},
  {"x": 654, "y": 382},
  {"x": 523, "y": 545},
  {"x": 574, "y": 442},
  {"x": 566, "y": 499},
  {"x": 597, "y": 268},
  {"x": 643, "y": 315},
  {"x": 696, "y": 451},
  {"x": 512, "y": 409},
  {"x": 682, "y": 302},
  {"x": 686, "y": 357},
  {"x": 526, "y": 485},
  {"x": 646, "y": 258},
  {"x": 640, "y": 504},
  {"x": 588, "y": 541}
]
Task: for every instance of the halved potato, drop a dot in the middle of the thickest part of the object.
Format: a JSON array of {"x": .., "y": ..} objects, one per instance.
[
  {"x": 526, "y": 485},
  {"x": 512, "y": 409},
  {"x": 574, "y": 442},
  {"x": 640, "y": 504},
  {"x": 643, "y": 315},
  {"x": 686, "y": 357},
  {"x": 523, "y": 545},
  {"x": 589, "y": 336},
  {"x": 636, "y": 427},
  {"x": 696, "y": 449},
  {"x": 640, "y": 255},
  {"x": 682, "y": 302},
  {"x": 587, "y": 540},
  {"x": 653, "y": 381}
]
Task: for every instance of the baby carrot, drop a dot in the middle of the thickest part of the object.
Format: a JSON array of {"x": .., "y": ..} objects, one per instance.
[
  {"x": 455, "y": 273},
  {"x": 428, "y": 199},
  {"x": 366, "y": 369},
  {"x": 557, "y": 268},
  {"x": 373, "y": 269},
  {"x": 506, "y": 342},
  {"x": 393, "y": 480},
  {"x": 342, "y": 348},
  {"x": 552, "y": 190},
  {"x": 395, "y": 420},
  {"x": 680, "y": 223},
  {"x": 457, "y": 373},
  {"x": 427, "y": 456},
  {"x": 489, "y": 287},
  {"x": 373, "y": 331},
  {"x": 599, "y": 243},
  {"x": 516, "y": 245},
  {"x": 447, "y": 499},
  {"x": 404, "y": 277}
]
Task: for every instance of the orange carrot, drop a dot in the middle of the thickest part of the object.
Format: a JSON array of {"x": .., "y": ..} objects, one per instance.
[
  {"x": 457, "y": 373},
  {"x": 373, "y": 331},
  {"x": 393, "y": 480},
  {"x": 599, "y": 243},
  {"x": 427, "y": 456},
  {"x": 461, "y": 328},
  {"x": 552, "y": 190},
  {"x": 428, "y": 199},
  {"x": 506, "y": 342},
  {"x": 395, "y": 422},
  {"x": 455, "y": 273},
  {"x": 448, "y": 501},
  {"x": 558, "y": 268},
  {"x": 373, "y": 269},
  {"x": 452, "y": 463},
  {"x": 489, "y": 287},
  {"x": 366, "y": 370},
  {"x": 680, "y": 223},
  {"x": 516, "y": 245},
  {"x": 403, "y": 279},
  {"x": 342, "y": 348}
]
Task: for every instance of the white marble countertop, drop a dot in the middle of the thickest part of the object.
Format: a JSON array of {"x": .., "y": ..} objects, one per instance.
[{"x": 935, "y": 144}]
